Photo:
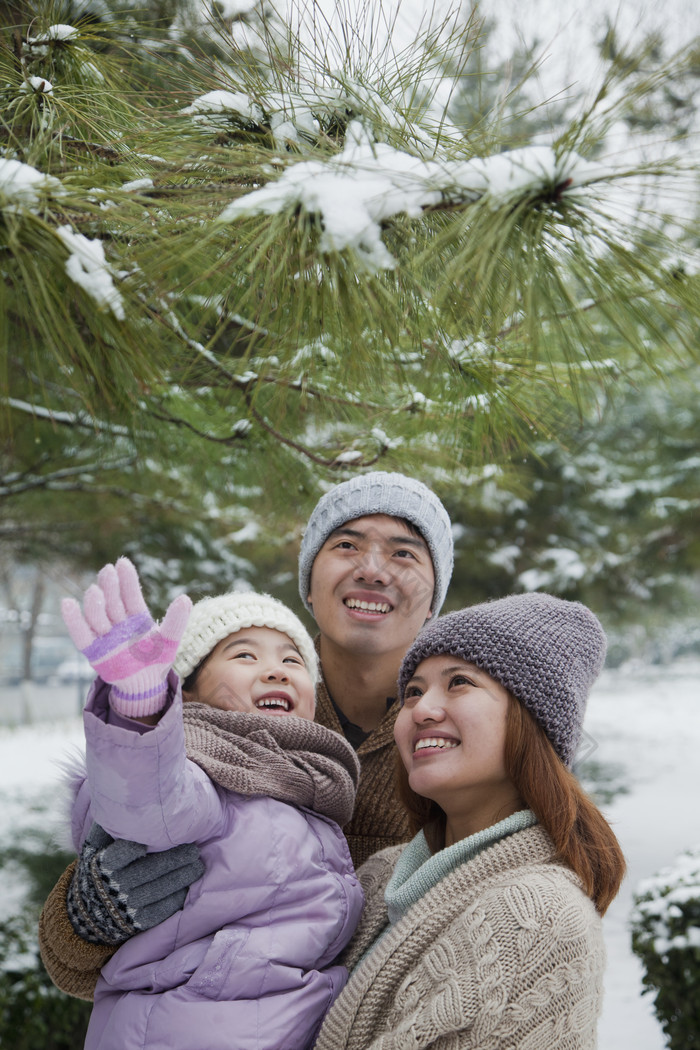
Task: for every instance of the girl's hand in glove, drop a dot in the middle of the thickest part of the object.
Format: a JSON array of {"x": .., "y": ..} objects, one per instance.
[{"x": 125, "y": 647}]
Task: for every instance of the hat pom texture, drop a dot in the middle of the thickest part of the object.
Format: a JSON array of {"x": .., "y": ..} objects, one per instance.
[
  {"x": 213, "y": 619},
  {"x": 544, "y": 650}
]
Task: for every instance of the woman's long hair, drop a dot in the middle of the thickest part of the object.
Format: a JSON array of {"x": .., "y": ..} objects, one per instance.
[{"x": 581, "y": 835}]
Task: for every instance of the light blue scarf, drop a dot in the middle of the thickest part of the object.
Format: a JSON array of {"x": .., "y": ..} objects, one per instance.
[{"x": 418, "y": 870}]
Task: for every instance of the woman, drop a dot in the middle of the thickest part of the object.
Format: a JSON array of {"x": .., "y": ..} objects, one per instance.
[{"x": 484, "y": 932}]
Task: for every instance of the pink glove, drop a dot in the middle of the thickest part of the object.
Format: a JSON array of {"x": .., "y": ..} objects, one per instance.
[{"x": 117, "y": 634}]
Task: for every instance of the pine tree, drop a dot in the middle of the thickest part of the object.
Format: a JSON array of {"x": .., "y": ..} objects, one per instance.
[
  {"x": 240, "y": 256},
  {"x": 608, "y": 513}
]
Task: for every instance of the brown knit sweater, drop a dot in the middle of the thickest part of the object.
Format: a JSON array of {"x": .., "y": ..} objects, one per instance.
[
  {"x": 504, "y": 952},
  {"x": 378, "y": 821}
]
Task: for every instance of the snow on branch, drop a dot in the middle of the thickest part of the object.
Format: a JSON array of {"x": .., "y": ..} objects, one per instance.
[
  {"x": 15, "y": 485},
  {"x": 40, "y": 85},
  {"x": 371, "y": 182},
  {"x": 662, "y": 918},
  {"x": 71, "y": 419},
  {"x": 232, "y": 103},
  {"x": 87, "y": 267},
  {"x": 300, "y": 113},
  {"x": 60, "y": 31},
  {"x": 21, "y": 184}
]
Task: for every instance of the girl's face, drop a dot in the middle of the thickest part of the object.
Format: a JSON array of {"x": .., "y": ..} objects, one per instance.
[
  {"x": 255, "y": 669},
  {"x": 451, "y": 735}
]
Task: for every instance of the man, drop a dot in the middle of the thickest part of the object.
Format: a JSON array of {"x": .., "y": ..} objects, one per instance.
[{"x": 375, "y": 562}]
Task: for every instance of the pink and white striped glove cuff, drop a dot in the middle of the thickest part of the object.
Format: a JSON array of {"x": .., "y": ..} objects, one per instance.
[{"x": 148, "y": 700}]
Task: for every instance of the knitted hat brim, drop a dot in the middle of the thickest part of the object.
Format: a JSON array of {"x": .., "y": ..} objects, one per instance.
[{"x": 213, "y": 619}]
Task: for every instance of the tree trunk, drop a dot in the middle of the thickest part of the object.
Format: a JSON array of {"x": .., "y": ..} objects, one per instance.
[{"x": 30, "y": 630}]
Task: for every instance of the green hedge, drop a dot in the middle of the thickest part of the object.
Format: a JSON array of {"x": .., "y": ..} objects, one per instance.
[
  {"x": 666, "y": 937},
  {"x": 34, "y": 1015}
]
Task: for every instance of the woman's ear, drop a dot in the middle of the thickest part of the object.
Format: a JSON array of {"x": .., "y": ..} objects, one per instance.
[{"x": 189, "y": 696}]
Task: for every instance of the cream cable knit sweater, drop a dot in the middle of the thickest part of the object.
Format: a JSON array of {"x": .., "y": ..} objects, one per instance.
[{"x": 504, "y": 953}]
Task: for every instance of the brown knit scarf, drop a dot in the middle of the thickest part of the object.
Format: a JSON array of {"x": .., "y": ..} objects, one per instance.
[{"x": 290, "y": 759}]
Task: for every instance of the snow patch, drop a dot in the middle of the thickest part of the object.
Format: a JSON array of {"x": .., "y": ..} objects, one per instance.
[
  {"x": 22, "y": 184},
  {"x": 563, "y": 566},
  {"x": 370, "y": 182},
  {"x": 350, "y": 456},
  {"x": 59, "y": 31},
  {"x": 136, "y": 185},
  {"x": 226, "y": 102},
  {"x": 39, "y": 85},
  {"x": 87, "y": 267},
  {"x": 658, "y": 916}
]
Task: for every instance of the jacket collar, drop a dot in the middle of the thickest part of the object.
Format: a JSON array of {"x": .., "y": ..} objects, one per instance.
[{"x": 382, "y": 736}]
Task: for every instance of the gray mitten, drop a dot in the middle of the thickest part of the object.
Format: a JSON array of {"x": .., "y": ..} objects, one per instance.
[{"x": 119, "y": 889}]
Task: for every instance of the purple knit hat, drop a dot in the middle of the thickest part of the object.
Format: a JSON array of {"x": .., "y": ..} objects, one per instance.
[{"x": 546, "y": 651}]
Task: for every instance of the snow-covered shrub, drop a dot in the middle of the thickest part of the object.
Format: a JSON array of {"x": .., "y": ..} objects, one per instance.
[
  {"x": 666, "y": 937},
  {"x": 33, "y": 1014}
]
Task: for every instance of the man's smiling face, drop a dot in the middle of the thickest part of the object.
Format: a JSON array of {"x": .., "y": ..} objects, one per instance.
[{"x": 372, "y": 585}]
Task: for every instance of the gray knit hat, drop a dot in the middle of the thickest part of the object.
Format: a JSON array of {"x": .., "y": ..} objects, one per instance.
[
  {"x": 546, "y": 651},
  {"x": 381, "y": 493},
  {"x": 213, "y": 619}
]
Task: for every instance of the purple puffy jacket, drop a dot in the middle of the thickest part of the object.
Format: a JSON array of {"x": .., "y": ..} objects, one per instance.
[{"x": 248, "y": 963}]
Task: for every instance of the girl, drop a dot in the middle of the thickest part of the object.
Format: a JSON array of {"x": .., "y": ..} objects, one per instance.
[
  {"x": 484, "y": 932},
  {"x": 243, "y": 771}
]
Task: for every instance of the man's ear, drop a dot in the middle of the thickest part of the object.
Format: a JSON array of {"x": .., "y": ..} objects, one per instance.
[
  {"x": 308, "y": 598},
  {"x": 430, "y": 613}
]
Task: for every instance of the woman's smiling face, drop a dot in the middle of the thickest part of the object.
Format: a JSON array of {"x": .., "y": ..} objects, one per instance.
[{"x": 451, "y": 734}]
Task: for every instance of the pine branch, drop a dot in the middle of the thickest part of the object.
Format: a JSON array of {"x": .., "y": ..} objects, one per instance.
[
  {"x": 55, "y": 479},
  {"x": 66, "y": 419},
  {"x": 281, "y": 438},
  {"x": 313, "y": 457},
  {"x": 96, "y": 149},
  {"x": 248, "y": 380},
  {"x": 55, "y": 483},
  {"x": 228, "y": 440}
]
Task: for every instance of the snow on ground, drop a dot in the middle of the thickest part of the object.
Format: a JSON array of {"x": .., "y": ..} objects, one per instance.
[
  {"x": 647, "y": 720},
  {"x": 644, "y": 721}
]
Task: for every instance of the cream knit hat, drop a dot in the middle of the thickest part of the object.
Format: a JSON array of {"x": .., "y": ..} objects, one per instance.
[{"x": 213, "y": 619}]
